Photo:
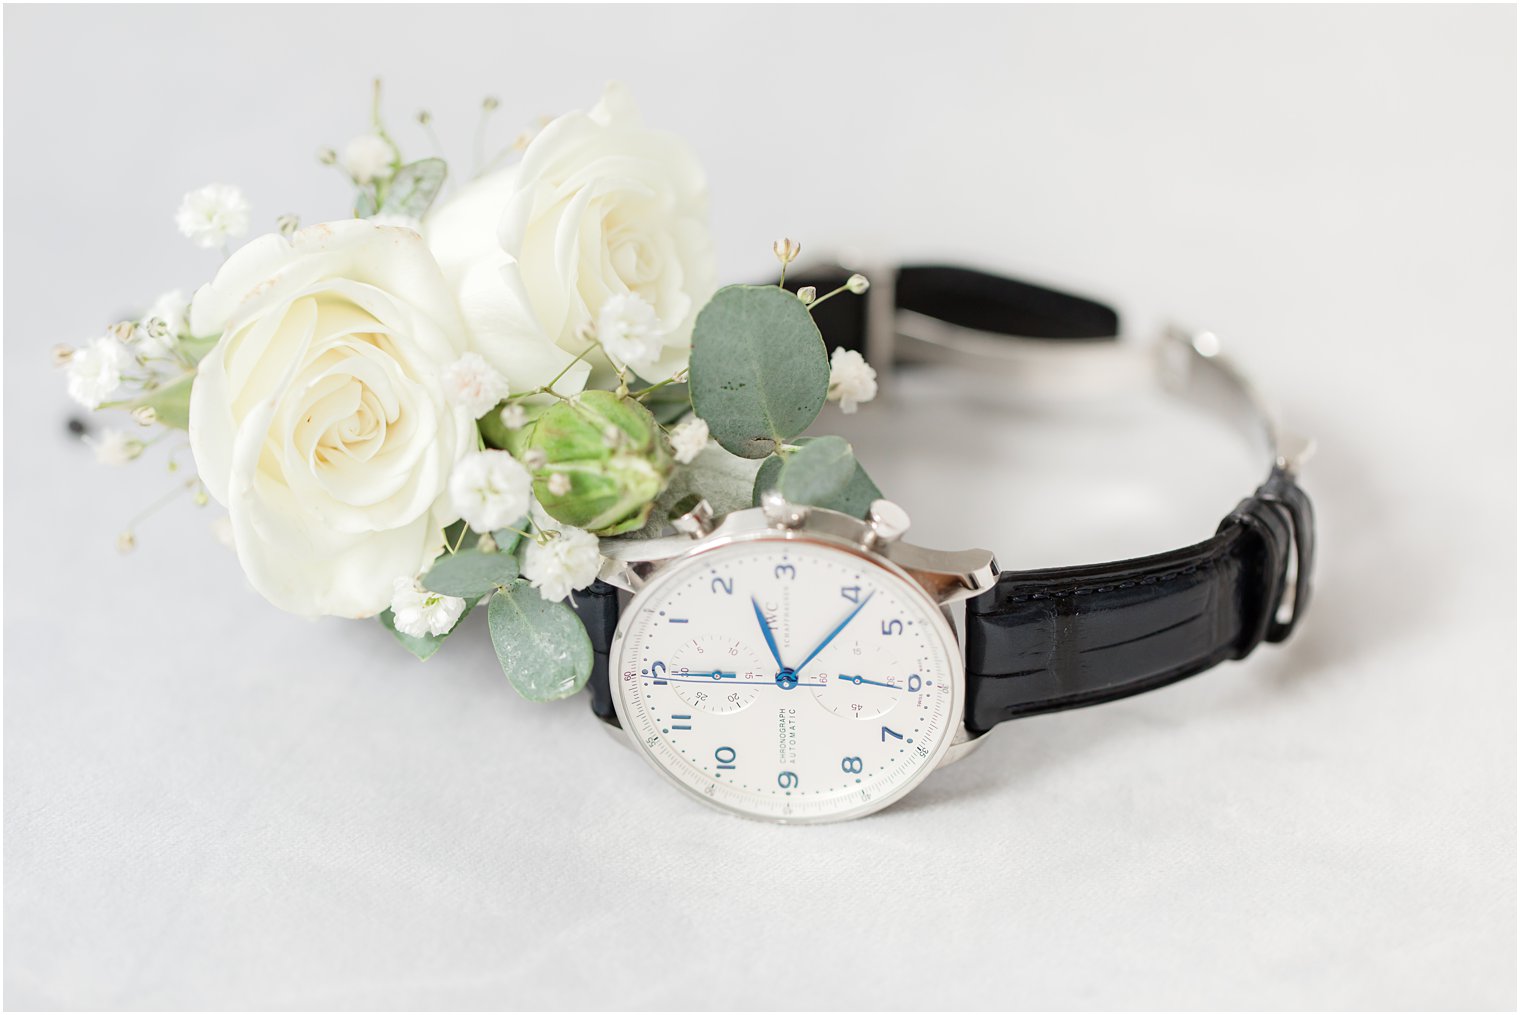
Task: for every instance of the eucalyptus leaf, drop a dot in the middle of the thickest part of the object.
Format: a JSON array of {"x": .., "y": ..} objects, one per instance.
[
  {"x": 426, "y": 645},
  {"x": 853, "y": 499},
  {"x": 470, "y": 573},
  {"x": 759, "y": 369},
  {"x": 364, "y": 205},
  {"x": 817, "y": 472},
  {"x": 508, "y": 538},
  {"x": 543, "y": 647},
  {"x": 414, "y": 188},
  {"x": 171, "y": 402},
  {"x": 195, "y": 349}
]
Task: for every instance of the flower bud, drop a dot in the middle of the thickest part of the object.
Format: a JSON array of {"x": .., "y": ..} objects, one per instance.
[
  {"x": 857, "y": 284},
  {"x": 326, "y": 156},
  {"x": 121, "y": 331},
  {"x": 286, "y": 225},
  {"x": 807, "y": 294},
  {"x": 126, "y": 543},
  {"x": 514, "y": 416},
  {"x": 145, "y": 415},
  {"x": 786, "y": 250},
  {"x": 424, "y": 117},
  {"x": 489, "y": 103},
  {"x": 63, "y": 354},
  {"x": 485, "y": 544},
  {"x": 535, "y": 458},
  {"x": 591, "y": 482}
]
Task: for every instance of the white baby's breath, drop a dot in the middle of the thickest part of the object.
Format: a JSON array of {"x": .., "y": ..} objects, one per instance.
[
  {"x": 369, "y": 157},
  {"x": 163, "y": 324},
  {"x": 569, "y": 560},
  {"x": 419, "y": 613},
  {"x": 114, "y": 447},
  {"x": 95, "y": 371},
  {"x": 851, "y": 379},
  {"x": 473, "y": 383},
  {"x": 630, "y": 332},
  {"x": 212, "y": 215},
  {"x": 490, "y": 489},
  {"x": 688, "y": 439},
  {"x": 514, "y": 416}
]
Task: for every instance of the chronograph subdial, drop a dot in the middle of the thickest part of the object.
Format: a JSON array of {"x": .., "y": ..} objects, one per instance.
[
  {"x": 860, "y": 684},
  {"x": 717, "y": 674}
]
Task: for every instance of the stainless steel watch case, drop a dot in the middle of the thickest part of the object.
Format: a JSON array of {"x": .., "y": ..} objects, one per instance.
[{"x": 946, "y": 577}]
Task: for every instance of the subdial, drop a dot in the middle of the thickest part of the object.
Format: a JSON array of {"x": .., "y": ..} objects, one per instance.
[
  {"x": 717, "y": 674},
  {"x": 860, "y": 686}
]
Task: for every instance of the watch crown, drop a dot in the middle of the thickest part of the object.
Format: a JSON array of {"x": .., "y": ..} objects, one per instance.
[
  {"x": 780, "y": 512},
  {"x": 887, "y": 521},
  {"x": 693, "y": 516}
]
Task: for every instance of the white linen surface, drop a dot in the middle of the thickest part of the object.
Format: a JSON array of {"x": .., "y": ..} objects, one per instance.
[{"x": 211, "y": 804}]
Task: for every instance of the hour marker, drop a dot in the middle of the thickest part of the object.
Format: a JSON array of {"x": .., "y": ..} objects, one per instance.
[
  {"x": 682, "y": 728},
  {"x": 678, "y": 620}
]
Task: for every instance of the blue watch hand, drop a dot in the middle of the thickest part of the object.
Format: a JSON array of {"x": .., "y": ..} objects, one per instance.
[
  {"x": 765, "y": 629},
  {"x": 701, "y": 677},
  {"x": 863, "y": 680},
  {"x": 832, "y": 634}
]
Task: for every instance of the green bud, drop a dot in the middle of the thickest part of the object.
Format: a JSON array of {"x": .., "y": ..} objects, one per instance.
[{"x": 610, "y": 451}]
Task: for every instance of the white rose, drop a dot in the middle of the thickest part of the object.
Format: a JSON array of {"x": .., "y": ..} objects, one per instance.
[
  {"x": 320, "y": 419},
  {"x": 599, "y": 206}
]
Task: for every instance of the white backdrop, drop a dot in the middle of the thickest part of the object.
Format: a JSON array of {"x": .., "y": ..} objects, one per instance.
[{"x": 210, "y": 804}]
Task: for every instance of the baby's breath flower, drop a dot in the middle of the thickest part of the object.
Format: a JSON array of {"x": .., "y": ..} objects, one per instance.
[
  {"x": 326, "y": 156},
  {"x": 514, "y": 417},
  {"x": 857, "y": 284},
  {"x": 63, "y": 354},
  {"x": 807, "y": 294},
  {"x": 688, "y": 439},
  {"x": 559, "y": 484},
  {"x": 162, "y": 325},
  {"x": 369, "y": 157},
  {"x": 419, "y": 613},
  {"x": 286, "y": 225},
  {"x": 486, "y": 544},
  {"x": 126, "y": 543},
  {"x": 535, "y": 458},
  {"x": 95, "y": 371},
  {"x": 473, "y": 383},
  {"x": 213, "y": 215},
  {"x": 490, "y": 489},
  {"x": 851, "y": 379},
  {"x": 570, "y": 559},
  {"x": 114, "y": 447},
  {"x": 121, "y": 331},
  {"x": 630, "y": 332},
  {"x": 786, "y": 250},
  {"x": 145, "y": 415}
]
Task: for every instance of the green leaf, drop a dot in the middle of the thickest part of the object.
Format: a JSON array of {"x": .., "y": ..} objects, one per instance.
[
  {"x": 759, "y": 369},
  {"x": 542, "y": 647},
  {"x": 195, "y": 349},
  {"x": 364, "y": 205},
  {"x": 414, "y": 188},
  {"x": 426, "y": 645},
  {"x": 470, "y": 573},
  {"x": 171, "y": 402},
  {"x": 508, "y": 538},
  {"x": 669, "y": 404},
  {"x": 817, "y": 472},
  {"x": 853, "y": 499}
]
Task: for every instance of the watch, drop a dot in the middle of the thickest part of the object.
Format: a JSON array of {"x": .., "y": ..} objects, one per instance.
[{"x": 796, "y": 664}]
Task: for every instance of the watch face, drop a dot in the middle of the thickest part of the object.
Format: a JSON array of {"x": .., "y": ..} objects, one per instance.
[{"x": 788, "y": 679}]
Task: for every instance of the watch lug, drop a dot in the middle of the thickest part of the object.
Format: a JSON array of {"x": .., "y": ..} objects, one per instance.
[
  {"x": 964, "y": 743},
  {"x": 950, "y": 576}
]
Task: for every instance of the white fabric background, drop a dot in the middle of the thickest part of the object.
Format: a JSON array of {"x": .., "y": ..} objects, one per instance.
[{"x": 209, "y": 804}]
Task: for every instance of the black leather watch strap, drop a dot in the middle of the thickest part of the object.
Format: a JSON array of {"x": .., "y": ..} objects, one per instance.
[{"x": 1042, "y": 641}]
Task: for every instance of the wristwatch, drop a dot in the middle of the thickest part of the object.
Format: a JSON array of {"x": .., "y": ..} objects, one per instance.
[{"x": 796, "y": 664}]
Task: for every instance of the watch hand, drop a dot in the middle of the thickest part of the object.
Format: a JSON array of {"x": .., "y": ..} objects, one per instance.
[
  {"x": 832, "y": 634},
  {"x": 707, "y": 678},
  {"x": 862, "y": 680},
  {"x": 765, "y": 629}
]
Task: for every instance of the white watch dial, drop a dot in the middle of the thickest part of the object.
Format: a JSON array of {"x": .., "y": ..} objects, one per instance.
[{"x": 788, "y": 679}]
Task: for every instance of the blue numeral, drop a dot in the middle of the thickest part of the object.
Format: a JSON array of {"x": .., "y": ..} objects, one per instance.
[
  {"x": 785, "y": 570},
  {"x": 891, "y": 627},
  {"x": 914, "y": 683},
  {"x": 655, "y": 669},
  {"x": 885, "y": 732},
  {"x": 787, "y": 780},
  {"x": 852, "y": 765},
  {"x": 725, "y": 757},
  {"x": 726, "y": 584},
  {"x": 851, "y": 592}
]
